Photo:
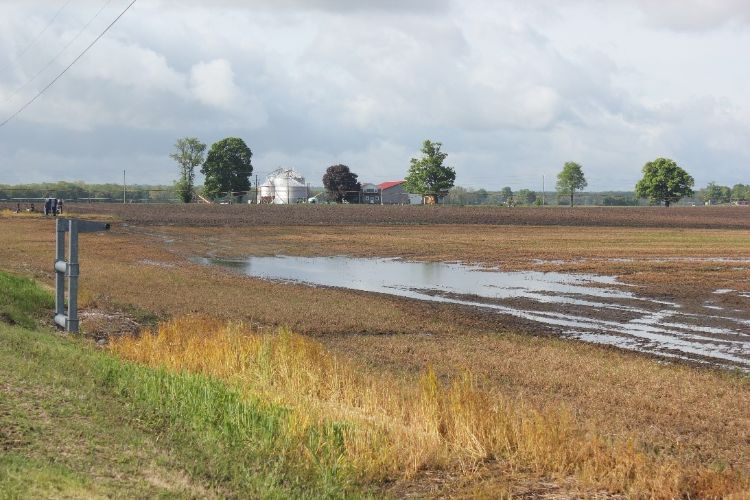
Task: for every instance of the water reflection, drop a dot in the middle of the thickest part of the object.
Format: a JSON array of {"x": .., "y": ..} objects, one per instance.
[{"x": 588, "y": 307}]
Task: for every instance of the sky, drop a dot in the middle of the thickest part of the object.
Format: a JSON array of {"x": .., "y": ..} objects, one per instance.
[{"x": 512, "y": 89}]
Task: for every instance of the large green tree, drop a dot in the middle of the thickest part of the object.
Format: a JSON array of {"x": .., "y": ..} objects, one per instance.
[
  {"x": 227, "y": 168},
  {"x": 427, "y": 175},
  {"x": 664, "y": 182},
  {"x": 188, "y": 153},
  {"x": 570, "y": 180},
  {"x": 341, "y": 184}
]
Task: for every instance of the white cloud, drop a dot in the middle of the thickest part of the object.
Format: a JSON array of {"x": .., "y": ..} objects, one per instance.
[
  {"x": 512, "y": 90},
  {"x": 212, "y": 83},
  {"x": 695, "y": 15}
]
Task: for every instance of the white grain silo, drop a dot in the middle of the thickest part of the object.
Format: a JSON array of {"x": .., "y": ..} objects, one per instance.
[{"x": 284, "y": 186}]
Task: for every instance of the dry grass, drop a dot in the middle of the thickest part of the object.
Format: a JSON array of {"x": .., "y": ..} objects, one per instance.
[{"x": 396, "y": 428}]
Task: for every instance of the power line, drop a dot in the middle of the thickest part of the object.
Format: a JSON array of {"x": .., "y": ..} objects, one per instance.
[
  {"x": 51, "y": 61},
  {"x": 39, "y": 35},
  {"x": 50, "y": 84}
]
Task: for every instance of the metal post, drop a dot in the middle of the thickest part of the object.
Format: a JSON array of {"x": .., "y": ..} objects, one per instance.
[
  {"x": 124, "y": 186},
  {"x": 60, "y": 268},
  {"x": 73, "y": 271},
  {"x": 69, "y": 269}
]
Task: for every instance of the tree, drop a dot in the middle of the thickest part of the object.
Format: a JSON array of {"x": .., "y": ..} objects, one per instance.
[
  {"x": 481, "y": 196},
  {"x": 341, "y": 184},
  {"x": 663, "y": 181},
  {"x": 188, "y": 154},
  {"x": 428, "y": 176},
  {"x": 507, "y": 194},
  {"x": 570, "y": 180},
  {"x": 458, "y": 195},
  {"x": 713, "y": 193},
  {"x": 227, "y": 168},
  {"x": 526, "y": 197},
  {"x": 740, "y": 192}
]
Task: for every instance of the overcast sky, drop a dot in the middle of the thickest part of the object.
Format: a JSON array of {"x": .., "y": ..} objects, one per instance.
[{"x": 512, "y": 89}]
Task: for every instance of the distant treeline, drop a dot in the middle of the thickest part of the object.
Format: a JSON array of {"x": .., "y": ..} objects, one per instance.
[
  {"x": 463, "y": 196},
  {"x": 83, "y": 192},
  {"x": 712, "y": 194}
]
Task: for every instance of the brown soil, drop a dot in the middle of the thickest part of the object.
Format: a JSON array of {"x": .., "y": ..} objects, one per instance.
[{"x": 359, "y": 215}]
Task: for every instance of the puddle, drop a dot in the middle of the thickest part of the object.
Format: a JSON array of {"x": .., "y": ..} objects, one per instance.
[
  {"x": 583, "y": 306},
  {"x": 156, "y": 263}
]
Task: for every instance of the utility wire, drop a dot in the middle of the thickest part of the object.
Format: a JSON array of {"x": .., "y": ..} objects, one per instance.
[
  {"x": 39, "y": 35},
  {"x": 57, "y": 56},
  {"x": 50, "y": 84}
]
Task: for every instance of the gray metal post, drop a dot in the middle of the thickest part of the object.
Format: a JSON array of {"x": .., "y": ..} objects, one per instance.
[
  {"x": 73, "y": 271},
  {"x": 69, "y": 269},
  {"x": 60, "y": 267}
]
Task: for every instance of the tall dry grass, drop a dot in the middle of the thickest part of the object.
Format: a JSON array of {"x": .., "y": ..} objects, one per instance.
[{"x": 393, "y": 428}]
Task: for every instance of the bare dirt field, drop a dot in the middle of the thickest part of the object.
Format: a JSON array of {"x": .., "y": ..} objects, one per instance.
[
  {"x": 143, "y": 269},
  {"x": 359, "y": 215}
]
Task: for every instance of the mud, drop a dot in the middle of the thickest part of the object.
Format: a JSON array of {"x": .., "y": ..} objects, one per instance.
[
  {"x": 195, "y": 215},
  {"x": 586, "y": 307}
]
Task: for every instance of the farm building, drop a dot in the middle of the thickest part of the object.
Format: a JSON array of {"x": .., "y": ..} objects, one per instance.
[
  {"x": 284, "y": 186},
  {"x": 370, "y": 194},
  {"x": 392, "y": 193}
]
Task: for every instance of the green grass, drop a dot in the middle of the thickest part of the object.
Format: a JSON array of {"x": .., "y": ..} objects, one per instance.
[
  {"x": 23, "y": 302},
  {"x": 76, "y": 422}
]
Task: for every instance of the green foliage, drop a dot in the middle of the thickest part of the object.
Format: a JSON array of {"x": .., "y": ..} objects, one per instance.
[
  {"x": 713, "y": 194},
  {"x": 82, "y": 192},
  {"x": 227, "y": 168},
  {"x": 619, "y": 201},
  {"x": 664, "y": 181},
  {"x": 525, "y": 197},
  {"x": 570, "y": 180},
  {"x": 341, "y": 184},
  {"x": 506, "y": 194},
  {"x": 427, "y": 175},
  {"x": 188, "y": 154},
  {"x": 741, "y": 192},
  {"x": 23, "y": 302}
]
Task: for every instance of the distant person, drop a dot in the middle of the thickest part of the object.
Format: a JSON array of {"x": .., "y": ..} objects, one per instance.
[
  {"x": 54, "y": 207},
  {"x": 18, "y": 208},
  {"x": 47, "y": 205},
  {"x": 59, "y": 206},
  {"x": 31, "y": 208}
]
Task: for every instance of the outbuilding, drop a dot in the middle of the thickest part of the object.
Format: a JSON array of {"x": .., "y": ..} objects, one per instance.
[{"x": 392, "y": 193}]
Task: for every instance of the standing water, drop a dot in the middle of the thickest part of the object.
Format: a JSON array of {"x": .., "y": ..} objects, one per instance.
[{"x": 587, "y": 307}]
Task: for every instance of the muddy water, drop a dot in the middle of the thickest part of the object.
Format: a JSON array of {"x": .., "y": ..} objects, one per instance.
[{"x": 587, "y": 307}]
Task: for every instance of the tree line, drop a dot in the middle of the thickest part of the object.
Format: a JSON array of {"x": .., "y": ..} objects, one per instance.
[
  {"x": 663, "y": 182},
  {"x": 81, "y": 191},
  {"x": 227, "y": 167}
]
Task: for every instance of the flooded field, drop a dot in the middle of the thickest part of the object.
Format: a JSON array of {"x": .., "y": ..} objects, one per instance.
[{"x": 588, "y": 307}]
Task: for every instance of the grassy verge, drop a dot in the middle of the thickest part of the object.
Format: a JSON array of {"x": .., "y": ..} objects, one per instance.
[
  {"x": 22, "y": 301},
  {"x": 76, "y": 422},
  {"x": 396, "y": 429}
]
